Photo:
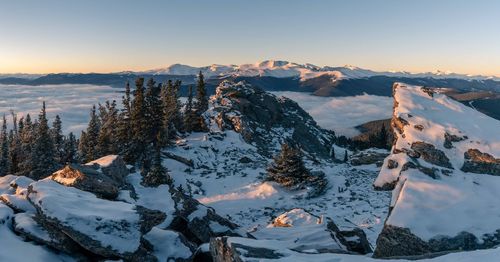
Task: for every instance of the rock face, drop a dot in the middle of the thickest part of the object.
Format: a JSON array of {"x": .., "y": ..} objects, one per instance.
[
  {"x": 261, "y": 117},
  {"x": 87, "y": 178},
  {"x": 112, "y": 166},
  {"x": 444, "y": 171},
  {"x": 481, "y": 163}
]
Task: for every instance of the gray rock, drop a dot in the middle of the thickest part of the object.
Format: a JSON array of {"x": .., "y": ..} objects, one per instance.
[
  {"x": 354, "y": 240},
  {"x": 431, "y": 154},
  {"x": 367, "y": 158},
  {"x": 482, "y": 163},
  {"x": 450, "y": 139},
  {"x": 399, "y": 242},
  {"x": 112, "y": 166},
  {"x": 87, "y": 178},
  {"x": 224, "y": 251}
]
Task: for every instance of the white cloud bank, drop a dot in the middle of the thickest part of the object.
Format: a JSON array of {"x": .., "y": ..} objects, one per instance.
[
  {"x": 71, "y": 102},
  {"x": 342, "y": 114}
]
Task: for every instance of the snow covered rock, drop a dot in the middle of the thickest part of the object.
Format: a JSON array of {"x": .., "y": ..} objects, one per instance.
[
  {"x": 168, "y": 245},
  {"x": 30, "y": 228},
  {"x": 443, "y": 171},
  {"x": 112, "y": 166},
  {"x": 106, "y": 228},
  {"x": 198, "y": 222},
  {"x": 87, "y": 178},
  {"x": 265, "y": 120}
]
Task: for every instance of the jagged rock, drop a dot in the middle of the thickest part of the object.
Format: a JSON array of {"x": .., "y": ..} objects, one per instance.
[
  {"x": 399, "y": 242},
  {"x": 431, "y": 154},
  {"x": 168, "y": 245},
  {"x": 87, "y": 178},
  {"x": 112, "y": 166},
  {"x": 482, "y": 163},
  {"x": 198, "y": 222},
  {"x": 106, "y": 228},
  {"x": 354, "y": 240},
  {"x": 261, "y": 118},
  {"x": 18, "y": 203}
]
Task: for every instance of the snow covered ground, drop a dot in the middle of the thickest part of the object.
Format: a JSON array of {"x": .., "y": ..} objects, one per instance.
[
  {"x": 71, "y": 102},
  {"x": 342, "y": 114}
]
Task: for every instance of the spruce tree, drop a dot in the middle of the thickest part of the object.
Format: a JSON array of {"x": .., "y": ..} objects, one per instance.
[
  {"x": 57, "y": 138},
  {"x": 288, "y": 168},
  {"x": 43, "y": 153},
  {"x": 155, "y": 175},
  {"x": 107, "y": 140},
  {"x": 4, "y": 148},
  {"x": 88, "y": 140},
  {"x": 172, "y": 119},
  {"x": 14, "y": 145},
  {"x": 139, "y": 123},
  {"x": 26, "y": 132},
  {"x": 201, "y": 103},
  {"x": 70, "y": 148},
  {"x": 345, "y": 156},
  {"x": 124, "y": 129}
]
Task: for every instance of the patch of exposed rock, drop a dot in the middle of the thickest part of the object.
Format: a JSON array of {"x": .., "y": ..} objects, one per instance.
[{"x": 482, "y": 163}]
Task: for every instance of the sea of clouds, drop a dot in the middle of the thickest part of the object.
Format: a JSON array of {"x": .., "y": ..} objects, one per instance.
[
  {"x": 342, "y": 114},
  {"x": 71, "y": 102}
]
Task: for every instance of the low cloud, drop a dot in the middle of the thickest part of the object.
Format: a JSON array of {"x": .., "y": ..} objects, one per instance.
[{"x": 342, "y": 114}]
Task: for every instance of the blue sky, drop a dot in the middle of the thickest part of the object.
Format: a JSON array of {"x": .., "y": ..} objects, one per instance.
[{"x": 113, "y": 35}]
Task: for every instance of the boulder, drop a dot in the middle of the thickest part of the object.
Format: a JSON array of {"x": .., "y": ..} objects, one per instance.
[
  {"x": 431, "y": 154},
  {"x": 87, "y": 178},
  {"x": 198, "y": 222},
  {"x": 225, "y": 249},
  {"x": 112, "y": 166},
  {"x": 106, "y": 228},
  {"x": 368, "y": 158},
  {"x": 168, "y": 245}
]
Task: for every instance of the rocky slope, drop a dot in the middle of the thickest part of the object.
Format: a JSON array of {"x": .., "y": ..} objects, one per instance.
[{"x": 443, "y": 172}]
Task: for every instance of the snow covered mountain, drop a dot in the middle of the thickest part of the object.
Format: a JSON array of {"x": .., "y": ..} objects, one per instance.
[
  {"x": 285, "y": 69},
  {"x": 443, "y": 172}
]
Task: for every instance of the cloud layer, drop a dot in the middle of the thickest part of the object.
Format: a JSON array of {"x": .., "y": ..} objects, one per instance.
[
  {"x": 342, "y": 114},
  {"x": 71, "y": 102}
]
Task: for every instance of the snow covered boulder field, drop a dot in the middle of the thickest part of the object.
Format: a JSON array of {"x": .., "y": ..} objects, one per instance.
[{"x": 443, "y": 172}]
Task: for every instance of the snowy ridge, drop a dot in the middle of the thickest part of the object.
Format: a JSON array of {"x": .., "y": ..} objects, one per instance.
[{"x": 443, "y": 167}]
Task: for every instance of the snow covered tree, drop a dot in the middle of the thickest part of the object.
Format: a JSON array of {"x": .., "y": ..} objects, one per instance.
[
  {"x": 57, "y": 138},
  {"x": 288, "y": 168},
  {"x": 43, "y": 153},
  {"x": 4, "y": 148}
]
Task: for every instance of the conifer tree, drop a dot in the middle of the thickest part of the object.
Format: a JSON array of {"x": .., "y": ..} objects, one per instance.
[
  {"x": 124, "y": 129},
  {"x": 154, "y": 111},
  {"x": 70, "y": 148},
  {"x": 88, "y": 140},
  {"x": 4, "y": 148},
  {"x": 14, "y": 144},
  {"x": 26, "y": 132},
  {"x": 172, "y": 119},
  {"x": 201, "y": 103},
  {"x": 43, "y": 153},
  {"x": 139, "y": 123},
  {"x": 345, "y": 156},
  {"x": 107, "y": 138},
  {"x": 189, "y": 114},
  {"x": 57, "y": 138},
  {"x": 155, "y": 175},
  {"x": 288, "y": 168}
]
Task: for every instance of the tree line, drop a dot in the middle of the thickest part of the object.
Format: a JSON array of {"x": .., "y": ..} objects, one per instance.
[{"x": 150, "y": 117}]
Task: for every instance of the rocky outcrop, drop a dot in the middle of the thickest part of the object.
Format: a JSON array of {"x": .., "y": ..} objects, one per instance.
[
  {"x": 424, "y": 172},
  {"x": 430, "y": 154},
  {"x": 87, "y": 178},
  {"x": 482, "y": 163},
  {"x": 224, "y": 249},
  {"x": 266, "y": 121},
  {"x": 368, "y": 157}
]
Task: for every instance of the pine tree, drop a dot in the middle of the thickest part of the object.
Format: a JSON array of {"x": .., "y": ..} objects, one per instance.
[
  {"x": 4, "y": 148},
  {"x": 189, "y": 114},
  {"x": 57, "y": 138},
  {"x": 345, "y": 156},
  {"x": 288, "y": 168},
  {"x": 201, "y": 103},
  {"x": 107, "y": 140},
  {"x": 14, "y": 145},
  {"x": 26, "y": 132},
  {"x": 154, "y": 110},
  {"x": 155, "y": 175},
  {"x": 172, "y": 119},
  {"x": 70, "y": 148},
  {"x": 139, "y": 123},
  {"x": 124, "y": 129},
  {"x": 88, "y": 140},
  {"x": 43, "y": 154}
]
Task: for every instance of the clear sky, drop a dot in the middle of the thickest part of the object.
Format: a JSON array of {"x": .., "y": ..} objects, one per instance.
[{"x": 114, "y": 35}]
